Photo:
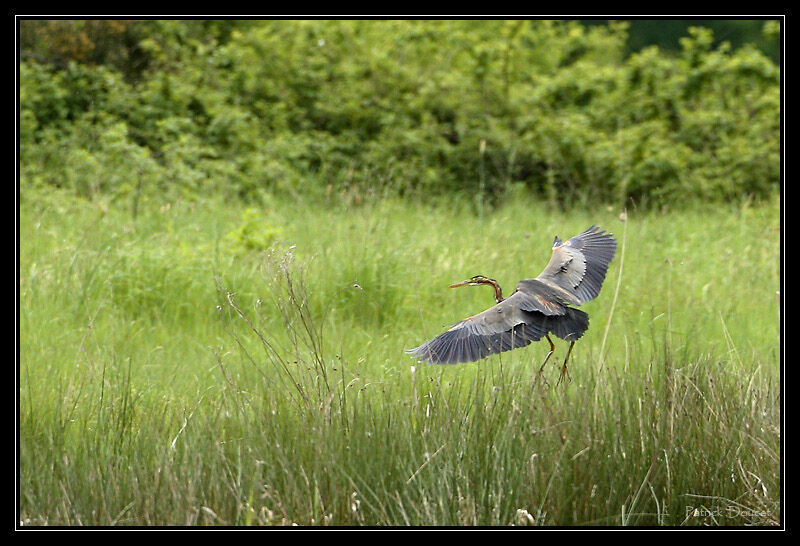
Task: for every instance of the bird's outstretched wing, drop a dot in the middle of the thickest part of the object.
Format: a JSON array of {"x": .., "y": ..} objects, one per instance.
[
  {"x": 578, "y": 266},
  {"x": 514, "y": 322},
  {"x": 539, "y": 306}
]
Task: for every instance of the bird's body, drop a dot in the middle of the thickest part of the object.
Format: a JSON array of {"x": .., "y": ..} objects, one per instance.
[{"x": 537, "y": 308}]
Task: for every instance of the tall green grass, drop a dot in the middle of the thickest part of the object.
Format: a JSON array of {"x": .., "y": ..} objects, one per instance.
[{"x": 170, "y": 374}]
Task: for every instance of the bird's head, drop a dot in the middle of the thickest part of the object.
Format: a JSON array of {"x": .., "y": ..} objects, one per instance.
[
  {"x": 473, "y": 281},
  {"x": 478, "y": 280},
  {"x": 557, "y": 242}
]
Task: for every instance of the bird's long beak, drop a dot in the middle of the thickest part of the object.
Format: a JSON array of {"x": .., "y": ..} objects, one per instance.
[{"x": 462, "y": 283}]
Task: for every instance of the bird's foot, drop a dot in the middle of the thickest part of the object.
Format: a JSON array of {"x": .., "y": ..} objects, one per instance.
[
  {"x": 540, "y": 377},
  {"x": 564, "y": 374}
]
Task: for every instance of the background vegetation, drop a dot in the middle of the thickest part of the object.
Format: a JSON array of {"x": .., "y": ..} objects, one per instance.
[
  {"x": 424, "y": 108},
  {"x": 230, "y": 231}
]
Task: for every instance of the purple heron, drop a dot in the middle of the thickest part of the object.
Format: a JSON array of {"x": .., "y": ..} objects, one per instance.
[{"x": 537, "y": 308}]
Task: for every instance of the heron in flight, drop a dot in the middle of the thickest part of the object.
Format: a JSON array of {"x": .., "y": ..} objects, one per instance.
[{"x": 537, "y": 308}]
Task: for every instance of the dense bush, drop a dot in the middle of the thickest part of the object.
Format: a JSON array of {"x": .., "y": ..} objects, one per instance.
[{"x": 362, "y": 107}]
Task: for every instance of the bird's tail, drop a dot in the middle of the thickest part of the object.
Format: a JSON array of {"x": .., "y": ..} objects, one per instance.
[{"x": 569, "y": 326}]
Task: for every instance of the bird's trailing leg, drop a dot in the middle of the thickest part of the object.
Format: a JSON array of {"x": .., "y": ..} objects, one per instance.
[
  {"x": 564, "y": 372},
  {"x": 552, "y": 349}
]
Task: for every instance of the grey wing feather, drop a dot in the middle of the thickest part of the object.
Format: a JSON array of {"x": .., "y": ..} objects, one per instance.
[
  {"x": 502, "y": 327},
  {"x": 578, "y": 266}
]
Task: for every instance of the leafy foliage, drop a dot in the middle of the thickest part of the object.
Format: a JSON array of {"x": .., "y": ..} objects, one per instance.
[
  {"x": 407, "y": 107},
  {"x": 254, "y": 232}
]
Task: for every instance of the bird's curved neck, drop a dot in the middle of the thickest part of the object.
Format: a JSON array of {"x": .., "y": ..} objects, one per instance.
[{"x": 498, "y": 292}]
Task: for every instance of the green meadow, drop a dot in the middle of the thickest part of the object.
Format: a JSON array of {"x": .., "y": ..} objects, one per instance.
[{"x": 206, "y": 362}]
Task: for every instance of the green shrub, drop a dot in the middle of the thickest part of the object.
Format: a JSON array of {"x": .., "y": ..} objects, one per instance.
[
  {"x": 409, "y": 107},
  {"x": 255, "y": 232}
]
